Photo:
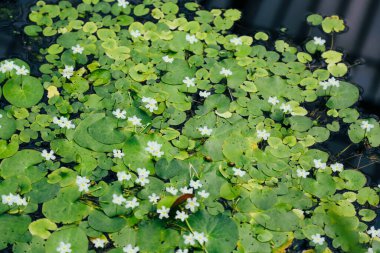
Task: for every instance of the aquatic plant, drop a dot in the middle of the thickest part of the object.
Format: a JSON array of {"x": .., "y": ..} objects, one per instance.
[{"x": 153, "y": 128}]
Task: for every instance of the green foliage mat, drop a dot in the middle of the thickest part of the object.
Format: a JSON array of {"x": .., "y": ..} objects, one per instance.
[{"x": 153, "y": 128}]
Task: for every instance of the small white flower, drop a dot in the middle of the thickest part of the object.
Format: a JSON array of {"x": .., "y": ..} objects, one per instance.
[
  {"x": 151, "y": 103},
  {"x": 142, "y": 172},
  {"x": 195, "y": 184},
  {"x": 225, "y": 72},
  {"x": 48, "y": 155},
  {"x": 63, "y": 122},
  {"x": 7, "y": 66},
  {"x": 263, "y": 134},
  {"x": 191, "y": 38},
  {"x": 318, "y": 239},
  {"x": 236, "y": 41},
  {"x": 171, "y": 190},
  {"x": 163, "y": 212},
  {"x": 167, "y": 59},
  {"x": 120, "y": 114},
  {"x": 132, "y": 203},
  {"x": 204, "y": 93},
  {"x": 273, "y": 100},
  {"x": 319, "y": 41},
  {"x": 333, "y": 82},
  {"x": 136, "y": 121},
  {"x": 319, "y": 164},
  {"x": 21, "y": 71},
  {"x": 373, "y": 232},
  {"x": 130, "y": 249},
  {"x": 118, "y": 199},
  {"x": 366, "y": 125},
  {"x": 143, "y": 175},
  {"x": 200, "y": 237},
  {"x": 117, "y": 153},
  {"x": 203, "y": 194},
  {"x": 370, "y": 250},
  {"x": 181, "y": 215},
  {"x": 153, "y": 198},
  {"x": 135, "y": 33},
  {"x": 77, "y": 49},
  {"x": 302, "y": 173},
  {"x": 189, "y": 239},
  {"x": 20, "y": 201},
  {"x": 122, "y": 3},
  {"x": 190, "y": 82},
  {"x": 8, "y": 199},
  {"x": 238, "y": 172},
  {"x": 83, "y": 183},
  {"x": 205, "y": 131},
  {"x": 154, "y": 148},
  {"x": 64, "y": 247},
  {"x": 191, "y": 204},
  {"x": 286, "y": 108},
  {"x": 336, "y": 167},
  {"x": 186, "y": 190},
  {"x": 68, "y": 72},
  {"x": 99, "y": 242},
  {"x": 122, "y": 175},
  {"x": 325, "y": 85},
  {"x": 182, "y": 251}
]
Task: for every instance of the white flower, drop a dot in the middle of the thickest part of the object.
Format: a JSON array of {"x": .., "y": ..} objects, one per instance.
[
  {"x": 366, "y": 125},
  {"x": 151, "y": 103},
  {"x": 63, "y": 122},
  {"x": 319, "y": 164},
  {"x": 122, "y": 3},
  {"x": 189, "y": 239},
  {"x": 7, "y": 66},
  {"x": 68, "y": 72},
  {"x": 77, "y": 49},
  {"x": 191, "y": 38},
  {"x": 370, "y": 250},
  {"x": 302, "y": 173},
  {"x": 236, "y": 41},
  {"x": 143, "y": 175},
  {"x": 22, "y": 71},
  {"x": 83, "y": 183},
  {"x": 203, "y": 194},
  {"x": 48, "y": 155},
  {"x": 263, "y": 134},
  {"x": 154, "y": 148},
  {"x": 205, "y": 131},
  {"x": 273, "y": 100},
  {"x": 171, "y": 190},
  {"x": 64, "y": 247},
  {"x": 319, "y": 41},
  {"x": 117, "y": 153},
  {"x": 20, "y": 201},
  {"x": 122, "y": 175},
  {"x": 238, "y": 172},
  {"x": 336, "y": 167},
  {"x": 99, "y": 242},
  {"x": 286, "y": 108},
  {"x": 135, "y": 120},
  {"x": 120, "y": 114},
  {"x": 167, "y": 59},
  {"x": 324, "y": 84},
  {"x": 118, "y": 199},
  {"x": 130, "y": 249},
  {"x": 225, "y": 72},
  {"x": 195, "y": 184},
  {"x": 181, "y": 215},
  {"x": 318, "y": 239},
  {"x": 135, "y": 33},
  {"x": 132, "y": 203},
  {"x": 163, "y": 212},
  {"x": 182, "y": 251},
  {"x": 192, "y": 204},
  {"x": 153, "y": 198},
  {"x": 186, "y": 190},
  {"x": 373, "y": 232},
  {"x": 8, "y": 199},
  {"x": 200, "y": 237},
  {"x": 190, "y": 82},
  {"x": 204, "y": 93},
  {"x": 333, "y": 82}
]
